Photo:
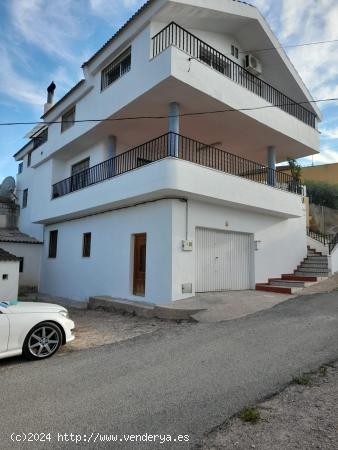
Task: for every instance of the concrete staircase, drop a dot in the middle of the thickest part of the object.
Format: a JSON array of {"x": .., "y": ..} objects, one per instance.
[{"x": 311, "y": 270}]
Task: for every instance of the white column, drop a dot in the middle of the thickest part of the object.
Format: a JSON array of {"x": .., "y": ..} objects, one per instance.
[
  {"x": 174, "y": 129},
  {"x": 271, "y": 150}
]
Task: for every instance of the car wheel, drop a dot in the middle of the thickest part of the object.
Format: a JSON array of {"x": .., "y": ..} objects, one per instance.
[{"x": 42, "y": 341}]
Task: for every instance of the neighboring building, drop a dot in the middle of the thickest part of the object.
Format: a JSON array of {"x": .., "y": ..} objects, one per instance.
[
  {"x": 157, "y": 209},
  {"x": 9, "y": 276},
  {"x": 327, "y": 173},
  {"x": 27, "y": 249}
]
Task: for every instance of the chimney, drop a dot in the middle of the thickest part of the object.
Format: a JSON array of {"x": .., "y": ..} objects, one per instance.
[{"x": 50, "y": 96}]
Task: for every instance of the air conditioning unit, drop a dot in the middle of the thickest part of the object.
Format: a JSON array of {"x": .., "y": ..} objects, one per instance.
[{"x": 253, "y": 65}]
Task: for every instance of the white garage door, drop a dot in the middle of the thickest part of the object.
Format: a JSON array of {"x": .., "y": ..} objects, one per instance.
[{"x": 223, "y": 260}]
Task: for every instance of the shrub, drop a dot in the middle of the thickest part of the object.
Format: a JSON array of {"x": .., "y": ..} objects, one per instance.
[
  {"x": 322, "y": 193},
  {"x": 250, "y": 414}
]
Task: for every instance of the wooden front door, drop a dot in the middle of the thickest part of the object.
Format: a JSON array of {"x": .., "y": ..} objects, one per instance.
[{"x": 139, "y": 278}]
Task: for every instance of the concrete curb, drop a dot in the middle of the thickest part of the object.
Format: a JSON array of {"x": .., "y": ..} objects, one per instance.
[{"x": 141, "y": 309}]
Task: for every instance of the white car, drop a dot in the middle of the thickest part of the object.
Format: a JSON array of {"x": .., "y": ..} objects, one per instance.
[{"x": 36, "y": 330}]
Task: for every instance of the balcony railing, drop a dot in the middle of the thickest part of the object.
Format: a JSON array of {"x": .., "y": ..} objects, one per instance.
[
  {"x": 174, "y": 35},
  {"x": 324, "y": 239},
  {"x": 177, "y": 146},
  {"x": 330, "y": 240}
]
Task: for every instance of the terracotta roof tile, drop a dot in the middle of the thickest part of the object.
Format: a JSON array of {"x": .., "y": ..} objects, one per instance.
[
  {"x": 6, "y": 256},
  {"x": 7, "y": 235}
]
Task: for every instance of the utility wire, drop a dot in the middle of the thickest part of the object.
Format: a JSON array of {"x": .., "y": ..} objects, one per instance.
[
  {"x": 304, "y": 44},
  {"x": 200, "y": 113}
]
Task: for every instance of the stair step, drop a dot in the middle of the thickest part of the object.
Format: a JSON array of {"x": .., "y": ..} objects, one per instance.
[
  {"x": 316, "y": 258},
  {"x": 312, "y": 272},
  {"x": 315, "y": 269},
  {"x": 290, "y": 283},
  {"x": 321, "y": 265},
  {"x": 278, "y": 289},
  {"x": 292, "y": 277},
  {"x": 321, "y": 275}
]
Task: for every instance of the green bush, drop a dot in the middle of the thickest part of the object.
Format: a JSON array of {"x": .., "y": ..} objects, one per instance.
[
  {"x": 250, "y": 414},
  {"x": 322, "y": 193}
]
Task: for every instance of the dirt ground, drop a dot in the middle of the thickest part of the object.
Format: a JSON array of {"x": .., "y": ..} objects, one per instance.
[
  {"x": 300, "y": 417},
  {"x": 96, "y": 328}
]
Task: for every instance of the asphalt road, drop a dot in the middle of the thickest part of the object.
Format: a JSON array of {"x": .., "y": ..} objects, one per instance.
[{"x": 183, "y": 381}]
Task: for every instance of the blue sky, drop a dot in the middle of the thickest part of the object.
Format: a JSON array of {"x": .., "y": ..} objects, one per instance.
[{"x": 45, "y": 40}]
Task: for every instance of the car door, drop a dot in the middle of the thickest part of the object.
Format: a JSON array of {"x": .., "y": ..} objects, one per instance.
[{"x": 4, "y": 331}]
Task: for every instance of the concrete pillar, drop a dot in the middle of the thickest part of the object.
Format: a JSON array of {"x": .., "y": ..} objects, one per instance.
[
  {"x": 271, "y": 150},
  {"x": 174, "y": 127}
]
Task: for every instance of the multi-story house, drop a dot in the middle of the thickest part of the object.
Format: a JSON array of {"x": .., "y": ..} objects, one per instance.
[{"x": 154, "y": 177}]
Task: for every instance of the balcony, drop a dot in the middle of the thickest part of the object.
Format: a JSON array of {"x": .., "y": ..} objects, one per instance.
[
  {"x": 172, "y": 145},
  {"x": 174, "y": 35}
]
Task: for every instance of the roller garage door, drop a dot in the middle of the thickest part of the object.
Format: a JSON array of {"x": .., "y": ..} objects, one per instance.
[{"x": 223, "y": 260}]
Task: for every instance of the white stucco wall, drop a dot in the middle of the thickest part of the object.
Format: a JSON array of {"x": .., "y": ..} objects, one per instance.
[
  {"x": 281, "y": 248},
  {"x": 170, "y": 176},
  {"x": 109, "y": 269},
  {"x": 9, "y": 288},
  {"x": 27, "y": 180},
  {"x": 333, "y": 261},
  {"x": 31, "y": 253}
]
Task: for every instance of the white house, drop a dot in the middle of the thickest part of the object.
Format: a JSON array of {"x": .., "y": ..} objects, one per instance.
[
  {"x": 174, "y": 191},
  {"x": 26, "y": 248},
  {"x": 9, "y": 276}
]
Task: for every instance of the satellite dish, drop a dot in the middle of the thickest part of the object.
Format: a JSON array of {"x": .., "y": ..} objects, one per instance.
[{"x": 7, "y": 187}]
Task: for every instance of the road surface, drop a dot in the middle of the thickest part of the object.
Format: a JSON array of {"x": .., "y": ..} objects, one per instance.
[{"x": 180, "y": 381}]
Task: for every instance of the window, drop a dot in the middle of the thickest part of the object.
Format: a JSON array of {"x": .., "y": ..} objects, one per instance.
[
  {"x": 29, "y": 159},
  {"x": 20, "y": 168},
  {"x": 234, "y": 51},
  {"x": 25, "y": 198},
  {"x": 87, "y": 239},
  {"x": 80, "y": 166},
  {"x": 20, "y": 264},
  {"x": 53, "y": 242},
  {"x": 80, "y": 175},
  {"x": 116, "y": 69},
  {"x": 5, "y": 276},
  {"x": 40, "y": 139},
  {"x": 68, "y": 119},
  {"x": 215, "y": 60}
]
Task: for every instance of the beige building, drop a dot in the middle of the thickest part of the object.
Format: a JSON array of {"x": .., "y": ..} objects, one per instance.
[{"x": 327, "y": 173}]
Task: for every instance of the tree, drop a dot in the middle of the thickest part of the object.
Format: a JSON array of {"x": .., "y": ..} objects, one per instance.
[
  {"x": 295, "y": 169},
  {"x": 322, "y": 193}
]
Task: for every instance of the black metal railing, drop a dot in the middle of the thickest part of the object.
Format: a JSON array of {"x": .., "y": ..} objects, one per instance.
[
  {"x": 177, "y": 146},
  {"x": 324, "y": 239},
  {"x": 331, "y": 240},
  {"x": 175, "y": 35},
  {"x": 333, "y": 243}
]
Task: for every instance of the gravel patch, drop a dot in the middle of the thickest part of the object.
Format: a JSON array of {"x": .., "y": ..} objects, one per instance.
[
  {"x": 300, "y": 417},
  {"x": 329, "y": 285},
  {"x": 95, "y": 328}
]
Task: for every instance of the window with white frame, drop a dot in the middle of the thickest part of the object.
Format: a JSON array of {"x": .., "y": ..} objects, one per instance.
[
  {"x": 116, "y": 69},
  {"x": 234, "y": 51}
]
